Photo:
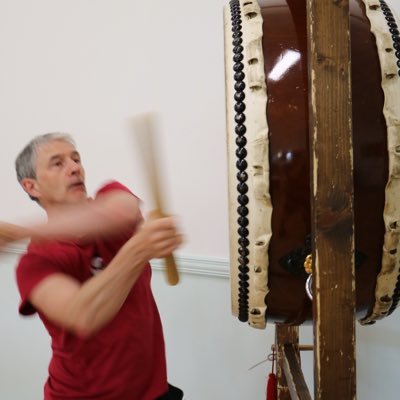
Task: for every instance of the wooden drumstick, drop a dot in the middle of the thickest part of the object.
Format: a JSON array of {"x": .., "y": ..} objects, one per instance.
[{"x": 145, "y": 129}]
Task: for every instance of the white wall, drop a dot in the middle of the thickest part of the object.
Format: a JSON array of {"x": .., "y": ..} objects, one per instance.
[{"x": 87, "y": 66}]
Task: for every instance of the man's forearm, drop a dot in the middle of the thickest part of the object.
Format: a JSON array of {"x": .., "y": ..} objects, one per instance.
[
  {"x": 103, "y": 216},
  {"x": 98, "y": 300}
]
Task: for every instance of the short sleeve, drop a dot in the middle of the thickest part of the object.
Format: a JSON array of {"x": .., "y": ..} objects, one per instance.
[
  {"x": 110, "y": 247},
  {"x": 31, "y": 270},
  {"x": 113, "y": 185}
]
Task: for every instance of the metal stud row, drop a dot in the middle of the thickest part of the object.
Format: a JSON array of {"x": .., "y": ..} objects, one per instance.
[
  {"x": 395, "y": 32},
  {"x": 241, "y": 163},
  {"x": 394, "y": 29}
]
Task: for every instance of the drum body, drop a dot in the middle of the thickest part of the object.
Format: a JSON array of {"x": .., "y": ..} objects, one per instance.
[{"x": 269, "y": 163}]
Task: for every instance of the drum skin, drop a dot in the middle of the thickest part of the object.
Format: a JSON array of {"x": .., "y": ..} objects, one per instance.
[{"x": 285, "y": 64}]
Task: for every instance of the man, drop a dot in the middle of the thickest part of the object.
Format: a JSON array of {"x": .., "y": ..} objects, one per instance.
[{"x": 86, "y": 274}]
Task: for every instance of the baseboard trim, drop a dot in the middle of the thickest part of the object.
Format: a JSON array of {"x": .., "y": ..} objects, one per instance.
[
  {"x": 16, "y": 249},
  {"x": 187, "y": 264},
  {"x": 198, "y": 265}
]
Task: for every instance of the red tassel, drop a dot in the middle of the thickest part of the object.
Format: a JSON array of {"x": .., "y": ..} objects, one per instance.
[
  {"x": 272, "y": 391},
  {"x": 271, "y": 387}
]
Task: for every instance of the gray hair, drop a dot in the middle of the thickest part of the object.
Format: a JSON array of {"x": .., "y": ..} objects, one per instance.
[{"x": 25, "y": 163}]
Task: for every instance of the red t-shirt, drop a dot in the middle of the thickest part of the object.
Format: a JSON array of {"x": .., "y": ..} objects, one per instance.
[{"x": 125, "y": 360}]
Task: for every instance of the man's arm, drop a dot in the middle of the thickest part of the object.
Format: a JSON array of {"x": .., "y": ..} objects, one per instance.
[
  {"x": 108, "y": 213},
  {"x": 86, "y": 308}
]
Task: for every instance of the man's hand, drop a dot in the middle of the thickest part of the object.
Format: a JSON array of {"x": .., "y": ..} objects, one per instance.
[
  {"x": 159, "y": 237},
  {"x": 11, "y": 233}
]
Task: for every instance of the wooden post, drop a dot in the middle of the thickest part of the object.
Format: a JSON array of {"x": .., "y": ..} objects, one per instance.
[
  {"x": 294, "y": 375},
  {"x": 290, "y": 379},
  {"x": 284, "y": 335},
  {"x": 332, "y": 199}
]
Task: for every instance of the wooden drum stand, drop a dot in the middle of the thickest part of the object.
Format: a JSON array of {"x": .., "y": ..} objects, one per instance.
[
  {"x": 333, "y": 239},
  {"x": 333, "y": 276}
]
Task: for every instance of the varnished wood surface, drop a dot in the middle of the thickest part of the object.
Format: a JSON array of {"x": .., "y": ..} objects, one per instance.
[{"x": 285, "y": 36}]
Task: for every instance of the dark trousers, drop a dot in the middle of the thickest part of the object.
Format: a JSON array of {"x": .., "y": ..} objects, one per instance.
[{"x": 173, "y": 393}]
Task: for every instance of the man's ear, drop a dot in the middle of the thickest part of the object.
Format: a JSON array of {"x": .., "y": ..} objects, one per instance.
[{"x": 30, "y": 187}]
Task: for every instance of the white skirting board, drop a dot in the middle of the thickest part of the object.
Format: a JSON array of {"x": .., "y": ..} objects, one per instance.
[
  {"x": 187, "y": 264},
  {"x": 196, "y": 265}
]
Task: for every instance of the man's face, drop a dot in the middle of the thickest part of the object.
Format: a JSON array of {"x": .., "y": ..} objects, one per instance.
[{"x": 60, "y": 177}]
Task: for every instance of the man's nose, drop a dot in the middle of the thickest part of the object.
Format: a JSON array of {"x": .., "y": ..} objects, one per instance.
[{"x": 74, "y": 167}]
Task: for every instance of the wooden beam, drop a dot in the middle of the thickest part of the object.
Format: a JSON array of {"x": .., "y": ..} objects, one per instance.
[
  {"x": 284, "y": 334},
  {"x": 294, "y": 375},
  {"x": 332, "y": 199}
]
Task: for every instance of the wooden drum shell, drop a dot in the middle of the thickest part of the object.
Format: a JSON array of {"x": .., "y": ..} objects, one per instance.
[{"x": 284, "y": 46}]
